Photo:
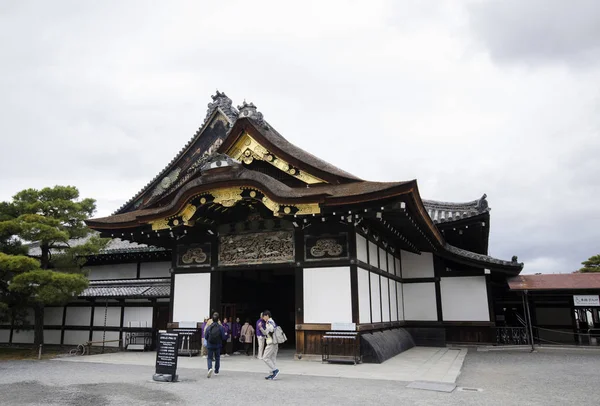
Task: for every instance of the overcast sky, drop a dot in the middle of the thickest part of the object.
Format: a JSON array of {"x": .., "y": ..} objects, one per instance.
[{"x": 469, "y": 98}]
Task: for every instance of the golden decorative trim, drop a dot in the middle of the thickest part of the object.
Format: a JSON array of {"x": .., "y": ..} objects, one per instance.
[
  {"x": 247, "y": 149},
  {"x": 271, "y": 205},
  {"x": 160, "y": 224},
  {"x": 187, "y": 213},
  {"x": 308, "y": 208},
  {"x": 227, "y": 197}
]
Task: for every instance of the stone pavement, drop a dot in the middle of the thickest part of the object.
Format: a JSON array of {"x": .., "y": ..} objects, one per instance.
[{"x": 416, "y": 364}]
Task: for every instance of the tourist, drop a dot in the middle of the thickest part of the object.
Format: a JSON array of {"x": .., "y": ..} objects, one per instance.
[
  {"x": 271, "y": 347},
  {"x": 227, "y": 343},
  {"x": 246, "y": 334},
  {"x": 260, "y": 325},
  {"x": 236, "y": 330},
  {"x": 204, "y": 351},
  {"x": 215, "y": 335}
]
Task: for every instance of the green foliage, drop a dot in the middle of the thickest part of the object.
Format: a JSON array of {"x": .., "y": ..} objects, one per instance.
[
  {"x": 45, "y": 287},
  {"x": 52, "y": 218},
  {"x": 591, "y": 265}
]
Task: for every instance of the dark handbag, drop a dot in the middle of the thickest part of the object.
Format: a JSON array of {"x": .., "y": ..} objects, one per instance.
[{"x": 242, "y": 339}]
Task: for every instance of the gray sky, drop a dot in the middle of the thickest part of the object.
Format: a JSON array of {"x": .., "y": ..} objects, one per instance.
[{"x": 469, "y": 98}]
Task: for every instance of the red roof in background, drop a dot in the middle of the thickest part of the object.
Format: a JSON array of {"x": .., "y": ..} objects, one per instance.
[{"x": 572, "y": 281}]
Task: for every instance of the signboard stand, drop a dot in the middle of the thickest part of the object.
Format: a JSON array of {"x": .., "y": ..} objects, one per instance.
[{"x": 166, "y": 357}]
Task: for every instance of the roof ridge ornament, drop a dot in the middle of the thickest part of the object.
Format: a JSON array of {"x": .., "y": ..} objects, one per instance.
[
  {"x": 224, "y": 104},
  {"x": 249, "y": 110}
]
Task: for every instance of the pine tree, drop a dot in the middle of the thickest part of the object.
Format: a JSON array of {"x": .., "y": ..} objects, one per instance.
[
  {"x": 50, "y": 217},
  {"x": 591, "y": 265}
]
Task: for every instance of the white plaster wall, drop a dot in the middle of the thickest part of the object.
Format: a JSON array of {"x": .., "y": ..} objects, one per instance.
[
  {"x": 398, "y": 269},
  {"x": 364, "y": 297},
  {"x": 390, "y": 259},
  {"x": 110, "y": 335},
  {"x": 116, "y": 271},
  {"x": 361, "y": 249},
  {"x": 373, "y": 254},
  {"x": 53, "y": 316},
  {"x": 419, "y": 301},
  {"x": 393, "y": 300},
  {"x": 78, "y": 316},
  {"x": 75, "y": 337},
  {"x": 399, "y": 298},
  {"x": 383, "y": 260},
  {"x": 375, "y": 298},
  {"x": 155, "y": 269},
  {"x": 137, "y": 316},
  {"x": 327, "y": 295},
  {"x": 51, "y": 336},
  {"x": 464, "y": 298},
  {"x": 417, "y": 266},
  {"x": 385, "y": 299},
  {"x": 4, "y": 336},
  {"x": 23, "y": 336},
  {"x": 113, "y": 316},
  {"x": 191, "y": 297}
]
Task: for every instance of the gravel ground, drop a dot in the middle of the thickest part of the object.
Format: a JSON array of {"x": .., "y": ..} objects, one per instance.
[{"x": 506, "y": 378}]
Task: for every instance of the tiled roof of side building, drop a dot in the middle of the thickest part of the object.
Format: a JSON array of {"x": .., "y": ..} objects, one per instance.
[
  {"x": 114, "y": 246},
  {"x": 566, "y": 281},
  {"x": 444, "y": 212},
  {"x": 482, "y": 258},
  {"x": 146, "y": 288}
]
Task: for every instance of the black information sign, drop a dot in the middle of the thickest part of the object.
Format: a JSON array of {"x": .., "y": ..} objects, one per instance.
[{"x": 166, "y": 357}]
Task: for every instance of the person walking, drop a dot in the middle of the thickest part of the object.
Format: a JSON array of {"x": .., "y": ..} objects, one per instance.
[
  {"x": 246, "y": 334},
  {"x": 215, "y": 335},
  {"x": 271, "y": 347},
  {"x": 260, "y": 325}
]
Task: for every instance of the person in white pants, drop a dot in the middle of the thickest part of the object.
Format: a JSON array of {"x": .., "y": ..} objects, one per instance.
[
  {"x": 260, "y": 324},
  {"x": 271, "y": 348}
]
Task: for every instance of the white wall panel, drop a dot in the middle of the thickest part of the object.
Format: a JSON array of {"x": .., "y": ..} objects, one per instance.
[
  {"x": 398, "y": 268},
  {"x": 375, "y": 298},
  {"x": 393, "y": 300},
  {"x": 191, "y": 298},
  {"x": 75, "y": 337},
  {"x": 327, "y": 295},
  {"x": 51, "y": 336},
  {"x": 53, "y": 316},
  {"x": 116, "y": 271},
  {"x": 385, "y": 299},
  {"x": 23, "y": 336},
  {"x": 4, "y": 336},
  {"x": 113, "y": 316},
  {"x": 390, "y": 260},
  {"x": 464, "y": 299},
  {"x": 400, "y": 300},
  {"x": 361, "y": 249},
  {"x": 417, "y": 266},
  {"x": 419, "y": 301},
  {"x": 138, "y": 317},
  {"x": 373, "y": 254},
  {"x": 364, "y": 297},
  {"x": 78, "y": 316},
  {"x": 155, "y": 269},
  {"x": 383, "y": 260},
  {"x": 110, "y": 335}
]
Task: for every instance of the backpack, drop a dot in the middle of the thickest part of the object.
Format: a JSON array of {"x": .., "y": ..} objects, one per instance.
[
  {"x": 214, "y": 334},
  {"x": 279, "y": 336}
]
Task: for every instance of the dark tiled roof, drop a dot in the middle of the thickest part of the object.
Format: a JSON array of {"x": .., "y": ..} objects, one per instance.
[
  {"x": 444, "y": 212},
  {"x": 482, "y": 258},
  {"x": 567, "y": 281},
  {"x": 220, "y": 103},
  {"x": 114, "y": 246},
  {"x": 129, "y": 288}
]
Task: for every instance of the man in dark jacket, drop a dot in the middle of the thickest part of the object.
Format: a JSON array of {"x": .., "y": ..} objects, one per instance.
[{"x": 215, "y": 335}]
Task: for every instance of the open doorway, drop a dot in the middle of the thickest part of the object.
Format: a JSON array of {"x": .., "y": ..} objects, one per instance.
[{"x": 245, "y": 294}]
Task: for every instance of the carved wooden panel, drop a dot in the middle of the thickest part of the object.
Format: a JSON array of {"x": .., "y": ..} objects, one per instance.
[
  {"x": 193, "y": 255},
  {"x": 256, "y": 248},
  {"x": 326, "y": 247}
]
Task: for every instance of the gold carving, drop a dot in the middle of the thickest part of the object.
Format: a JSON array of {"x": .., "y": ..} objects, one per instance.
[
  {"x": 253, "y": 194},
  {"x": 247, "y": 149},
  {"x": 187, "y": 213},
  {"x": 160, "y": 224},
  {"x": 256, "y": 248},
  {"x": 307, "y": 208},
  {"x": 193, "y": 255},
  {"x": 227, "y": 197},
  {"x": 287, "y": 210},
  {"x": 271, "y": 205}
]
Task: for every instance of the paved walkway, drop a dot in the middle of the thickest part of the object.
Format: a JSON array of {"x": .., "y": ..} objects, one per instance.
[{"x": 416, "y": 364}]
